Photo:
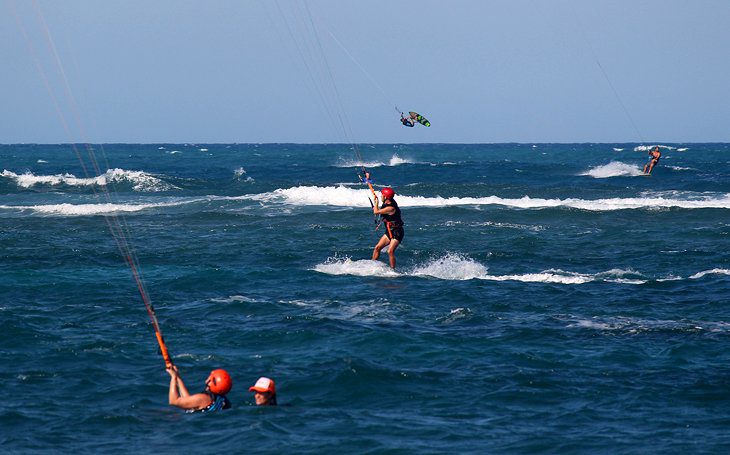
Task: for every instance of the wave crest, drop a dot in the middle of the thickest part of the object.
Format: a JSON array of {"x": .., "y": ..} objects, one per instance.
[
  {"x": 140, "y": 180},
  {"x": 341, "y": 196},
  {"x": 710, "y": 272}
]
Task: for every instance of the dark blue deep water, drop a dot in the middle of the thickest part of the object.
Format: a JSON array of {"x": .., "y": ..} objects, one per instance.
[{"x": 548, "y": 298}]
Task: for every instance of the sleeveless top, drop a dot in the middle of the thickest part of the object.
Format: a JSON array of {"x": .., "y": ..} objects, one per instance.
[
  {"x": 219, "y": 402},
  {"x": 393, "y": 220}
]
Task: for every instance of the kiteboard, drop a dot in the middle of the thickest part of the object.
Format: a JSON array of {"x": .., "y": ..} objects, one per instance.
[{"x": 420, "y": 119}]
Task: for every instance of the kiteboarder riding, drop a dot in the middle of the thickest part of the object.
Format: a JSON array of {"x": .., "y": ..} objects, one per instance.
[
  {"x": 655, "y": 155},
  {"x": 390, "y": 214}
]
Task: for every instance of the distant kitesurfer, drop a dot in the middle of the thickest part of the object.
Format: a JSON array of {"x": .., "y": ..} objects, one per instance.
[
  {"x": 264, "y": 392},
  {"x": 213, "y": 398},
  {"x": 655, "y": 155},
  {"x": 406, "y": 121},
  {"x": 390, "y": 214}
]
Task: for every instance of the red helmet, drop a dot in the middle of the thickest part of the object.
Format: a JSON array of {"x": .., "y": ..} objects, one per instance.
[
  {"x": 387, "y": 192},
  {"x": 219, "y": 382}
]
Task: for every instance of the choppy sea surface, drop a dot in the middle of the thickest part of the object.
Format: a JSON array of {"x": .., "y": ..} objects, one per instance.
[{"x": 548, "y": 298}]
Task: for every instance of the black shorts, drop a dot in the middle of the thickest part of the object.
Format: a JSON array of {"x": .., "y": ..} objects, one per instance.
[{"x": 397, "y": 232}]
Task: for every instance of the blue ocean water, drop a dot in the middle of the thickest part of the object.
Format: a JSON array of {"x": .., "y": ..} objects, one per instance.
[{"x": 548, "y": 298}]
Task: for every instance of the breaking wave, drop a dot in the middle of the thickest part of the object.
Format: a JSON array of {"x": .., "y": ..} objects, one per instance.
[
  {"x": 140, "y": 181},
  {"x": 89, "y": 209},
  {"x": 341, "y": 196},
  {"x": 710, "y": 272}
]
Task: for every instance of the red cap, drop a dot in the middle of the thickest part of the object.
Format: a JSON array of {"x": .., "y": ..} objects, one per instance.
[
  {"x": 263, "y": 385},
  {"x": 387, "y": 192}
]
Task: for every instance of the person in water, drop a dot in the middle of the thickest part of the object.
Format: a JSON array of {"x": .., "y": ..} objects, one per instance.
[
  {"x": 406, "y": 121},
  {"x": 390, "y": 214},
  {"x": 213, "y": 398},
  {"x": 655, "y": 155},
  {"x": 264, "y": 392}
]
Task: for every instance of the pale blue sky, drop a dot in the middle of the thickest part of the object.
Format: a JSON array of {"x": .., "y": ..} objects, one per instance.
[{"x": 480, "y": 70}]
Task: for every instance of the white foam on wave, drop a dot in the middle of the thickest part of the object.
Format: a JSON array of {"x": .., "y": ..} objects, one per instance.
[
  {"x": 90, "y": 209},
  {"x": 395, "y": 160},
  {"x": 451, "y": 267},
  {"x": 646, "y": 148},
  {"x": 615, "y": 149},
  {"x": 457, "y": 267},
  {"x": 234, "y": 299},
  {"x": 141, "y": 181},
  {"x": 680, "y": 168},
  {"x": 613, "y": 169},
  {"x": 710, "y": 272},
  {"x": 363, "y": 267},
  {"x": 455, "y": 315},
  {"x": 555, "y": 276},
  {"x": 625, "y": 276},
  {"x": 683, "y": 149},
  {"x": 41, "y": 161},
  {"x": 341, "y": 196},
  {"x": 240, "y": 172}
]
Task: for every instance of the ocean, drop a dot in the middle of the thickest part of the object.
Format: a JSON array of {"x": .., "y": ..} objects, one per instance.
[{"x": 548, "y": 298}]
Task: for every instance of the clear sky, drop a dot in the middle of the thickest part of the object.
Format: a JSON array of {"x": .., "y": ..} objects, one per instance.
[{"x": 273, "y": 70}]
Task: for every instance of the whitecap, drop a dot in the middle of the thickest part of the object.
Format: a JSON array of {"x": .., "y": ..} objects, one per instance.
[
  {"x": 455, "y": 315},
  {"x": 89, "y": 209},
  {"x": 710, "y": 272},
  {"x": 646, "y": 148},
  {"x": 141, "y": 181},
  {"x": 555, "y": 276},
  {"x": 341, "y": 196}
]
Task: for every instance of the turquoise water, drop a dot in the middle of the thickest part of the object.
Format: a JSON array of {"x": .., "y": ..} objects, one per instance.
[{"x": 547, "y": 298}]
